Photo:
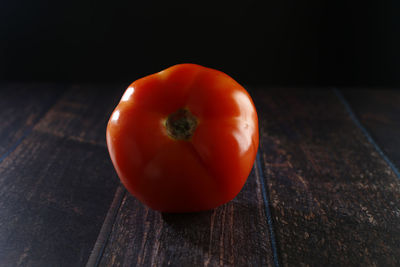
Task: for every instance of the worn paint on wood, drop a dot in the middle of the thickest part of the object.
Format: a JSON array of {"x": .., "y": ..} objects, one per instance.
[
  {"x": 55, "y": 189},
  {"x": 233, "y": 234},
  {"x": 93, "y": 103},
  {"x": 21, "y": 107},
  {"x": 379, "y": 111},
  {"x": 334, "y": 200}
]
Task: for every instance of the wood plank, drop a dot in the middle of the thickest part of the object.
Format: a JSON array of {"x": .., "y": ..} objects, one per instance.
[
  {"x": 379, "y": 111},
  {"x": 21, "y": 106},
  {"x": 334, "y": 200},
  {"x": 55, "y": 189},
  {"x": 93, "y": 102},
  {"x": 233, "y": 234}
]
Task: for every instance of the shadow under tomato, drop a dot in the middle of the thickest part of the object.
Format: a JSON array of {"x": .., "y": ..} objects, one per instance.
[
  {"x": 229, "y": 230},
  {"x": 183, "y": 219}
]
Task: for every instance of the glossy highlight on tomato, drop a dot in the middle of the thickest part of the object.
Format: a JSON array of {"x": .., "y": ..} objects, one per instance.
[{"x": 184, "y": 139}]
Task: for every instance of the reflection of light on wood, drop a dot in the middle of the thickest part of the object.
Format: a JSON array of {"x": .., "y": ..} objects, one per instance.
[{"x": 128, "y": 94}]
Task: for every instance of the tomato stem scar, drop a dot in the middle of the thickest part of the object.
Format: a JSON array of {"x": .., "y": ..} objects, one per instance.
[{"x": 181, "y": 124}]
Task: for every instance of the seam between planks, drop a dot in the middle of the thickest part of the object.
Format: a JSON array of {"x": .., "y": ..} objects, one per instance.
[
  {"x": 365, "y": 132},
  {"x": 105, "y": 231},
  {"x": 49, "y": 105},
  {"x": 265, "y": 195}
]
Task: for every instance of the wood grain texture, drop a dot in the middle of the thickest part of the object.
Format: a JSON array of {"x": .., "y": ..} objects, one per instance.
[
  {"x": 58, "y": 183},
  {"x": 235, "y": 234},
  {"x": 105, "y": 231},
  {"x": 335, "y": 201},
  {"x": 379, "y": 111},
  {"x": 21, "y": 106},
  {"x": 94, "y": 105}
]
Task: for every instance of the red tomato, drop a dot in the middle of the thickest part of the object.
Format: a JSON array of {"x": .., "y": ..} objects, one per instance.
[{"x": 184, "y": 139}]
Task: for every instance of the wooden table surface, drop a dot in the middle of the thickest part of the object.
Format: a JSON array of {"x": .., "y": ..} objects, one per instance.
[{"x": 324, "y": 190}]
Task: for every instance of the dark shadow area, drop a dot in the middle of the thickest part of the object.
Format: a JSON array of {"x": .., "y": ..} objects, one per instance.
[
  {"x": 186, "y": 219},
  {"x": 220, "y": 232},
  {"x": 276, "y": 43}
]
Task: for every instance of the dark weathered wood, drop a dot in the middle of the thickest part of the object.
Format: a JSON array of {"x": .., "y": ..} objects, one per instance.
[
  {"x": 233, "y": 234},
  {"x": 58, "y": 183},
  {"x": 93, "y": 103},
  {"x": 21, "y": 106},
  {"x": 102, "y": 238},
  {"x": 379, "y": 111},
  {"x": 335, "y": 201}
]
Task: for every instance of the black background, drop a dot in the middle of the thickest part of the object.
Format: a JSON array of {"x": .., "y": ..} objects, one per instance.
[{"x": 285, "y": 43}]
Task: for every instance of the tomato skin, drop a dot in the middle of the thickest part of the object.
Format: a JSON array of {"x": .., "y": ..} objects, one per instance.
[{"x": 172, "y": 175}]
